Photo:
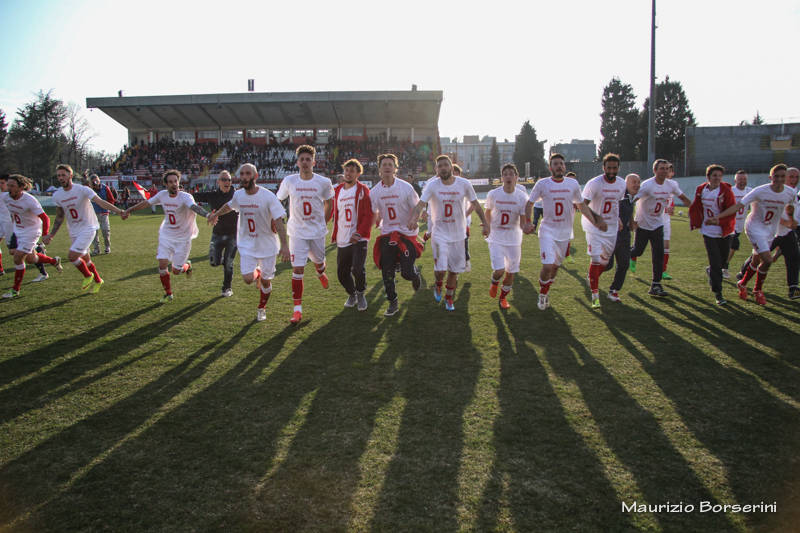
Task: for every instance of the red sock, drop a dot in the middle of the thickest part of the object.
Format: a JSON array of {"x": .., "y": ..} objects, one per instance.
[
  {"x": 594, "y": 276},
  {"x": 748, "y": 274},
  {"x": 544, "y": 286},
  {"x": 297, "y": 289},
  {"x": 760, "y": 276},
  {"x": 93, "y": 270},
  {"x": 165, "y": 281},
  {"x": 449, "y": 292},
  {"x": 265, "y": 292},
  {"x": 19, "y": 273},
  {"x": 634, "y": 259},
  {"x": 41, "y": 258},
  {"x": 80, "y": 264},
  {"x": 439, "y": 285},
  {"x": 507, "y": 281},
  {"x": 568, "y": 247},
  {"x": 1, "y": 261},
  {"x": 666, "y": 260}
]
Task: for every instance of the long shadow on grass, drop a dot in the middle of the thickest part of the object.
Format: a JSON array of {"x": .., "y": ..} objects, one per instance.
[
  {"x": 33, "y": 310},
  {"x": 52, "y": 384},
  {"x": 751, "y": 432},
  {"x": 59, "y": 473},
  {"x": 153, "y": 271}
]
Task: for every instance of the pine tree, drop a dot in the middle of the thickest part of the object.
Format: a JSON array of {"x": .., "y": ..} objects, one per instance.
[
  {"x": 494, "y": 160},
  {"x": 528, "y": 149},
  {"x": 619, "y": 120},
  {"x": 673, "y": 115}
]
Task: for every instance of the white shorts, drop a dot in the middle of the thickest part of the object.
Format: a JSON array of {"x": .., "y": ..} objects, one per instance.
[
  {"x": 599, "y": 245},
  {"x": 248, "y": 263},
  {"x": 552, "y": 252},
  {"x": 667, "y": 228},
  {"x": 505, "y": 257},
  {"x": 760, "y": 241},
  {"x": 82, "y": 241},
  {"x": 304, "y": 249},
  {"x": 6, "y": 229},
  {"x": 449, "y": 256},
  {"x": 26, "y": 242},
  {"x": 176, "y": 252}
]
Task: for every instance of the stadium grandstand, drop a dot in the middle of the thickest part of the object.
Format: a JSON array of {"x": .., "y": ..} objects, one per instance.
[{"x": 201, "y": 135}]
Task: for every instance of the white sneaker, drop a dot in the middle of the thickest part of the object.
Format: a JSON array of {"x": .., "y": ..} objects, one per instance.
[
  {"x": 41, "y": 277},
  {"x": 614, "y": 296},
  {"x": 725, "y": 273},
  {"x": 227, "y": 293},
  {"x": 468, "y": 267},
  {"x": 261, "y": 314},
  {"x": 351, "y": 300},
  {"x": 544, "y": 301}
]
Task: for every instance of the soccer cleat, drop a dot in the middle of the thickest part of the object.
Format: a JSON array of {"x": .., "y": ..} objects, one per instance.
[
  {"x": 468, "y": 267},
  {"x": 323, "y": 278},
  {"x": 42, "y": 277},
  {"x": 351, "y": 300},
  {"x": 657, "y": 290},
  {"x": 86, "y": 282},
  {"x": 362, "y": 301},
  {"x": 708, "y": 272},
  {"x": 165, "y": 299},
  {"x": 720, "y": 299},
  {"x": 742, "y": 290},
  {"x": 227, "y": 293},
  {"x": 449, "y": 305},
  {"x": 416, "y": 283},
  {"x": 760, "y": 298},
  {"x": 666, "y": 276},
  {"x": 189, "y": 270},
  {"x": 297, "y": 316},
  {"x": 632, "y": 266},
  {"x": 59, "y": 268},
  {"x": 95, "y": 251},
  {"x": 437, "y": 294},
  {"x": 614, "y": 296},
  {"x": 96, "y": 286},
  {"x": 595, "y": 300},
  {"x": 794, "y": 293},
  {"x": 493, "y": 290},
  {"x": 544, "y": 302},
  {"x": 2, "y": 272},
  {"x": 107, "y": 251},
  {"x": 11, "y": 294},
  {"x": 393, "y": 308},
  {"x": 569, "y": 259},
  {"x": 739, "y": 276},
  {"x": 725, "y": 273},
  {"x": 261, "y": 314},
  {"x": 504, "y": 304}
]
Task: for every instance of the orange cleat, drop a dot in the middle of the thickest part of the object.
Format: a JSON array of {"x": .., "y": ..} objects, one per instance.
[
  {"x": 493, "y": 290},
  {"x": 760, "y": 298},
  {"x": 323, "y": 278},
  {"x": 297, "y": 316},
  {"x": 742, "y": 290},
  {"x": 504, "y": 304}
]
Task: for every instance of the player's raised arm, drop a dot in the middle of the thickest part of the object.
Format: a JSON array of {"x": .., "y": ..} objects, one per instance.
[
  {"x": 107, "y": 205},
  {"x": 199, "y": 210},
  {"x": 140, "y": 205},
  {"x": 214, "y": 215}
]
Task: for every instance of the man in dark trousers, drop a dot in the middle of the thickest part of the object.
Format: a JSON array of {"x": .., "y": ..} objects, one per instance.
[
  {"x": 222, "y": 248},
  {"x": 622, "y": 250},
  {"x": 105, "y": 193}
]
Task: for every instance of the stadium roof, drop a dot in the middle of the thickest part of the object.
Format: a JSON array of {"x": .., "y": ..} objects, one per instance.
[{"x": 273, "y": 110}]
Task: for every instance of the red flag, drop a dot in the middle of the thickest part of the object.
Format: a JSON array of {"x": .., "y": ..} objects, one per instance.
[{"x": 146, "y": 195}]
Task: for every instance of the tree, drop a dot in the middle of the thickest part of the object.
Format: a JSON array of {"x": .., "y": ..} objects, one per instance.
[
  {"x": 76, "y": 136},
  {"x": 673, "y": 116},
  {"x": 619, "y": 120},
  {"x": 35, "y": 136},
  {"x": 3, "y": 134},
  {"x": 494, "y": 160},
  {"x": 528, "y": 149},
  {"x": 757, "y": 120}
]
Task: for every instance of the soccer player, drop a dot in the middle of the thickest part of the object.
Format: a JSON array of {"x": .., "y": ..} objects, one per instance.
[
  {"x": 30, "y": 221},
  {"x": 352, "y": 224},
  {"x": 739, "y": 189},
  {"x": 222, "y": 246},
  {"x": 602, "y": 194},
  {"x": 393, "y": 202},
  {"x": 622, "y": 249},
  {"x": 668, "y": 212},
  {"x": 505, "y": 213},
  {"x": 310, "y": 206},
  {"x": 710, "y": 199},
  {"x": 560, "y": 196},
  {"x": 468, "y": 216},
  {"x": 105, "y": 193},
  {"x": 261, "y": 218},
  {"x": 74, "y": 202},
  {"x": 768, "y": 203},
  {"x": 654, "y": 197},
  {"x": 6, "y": 226},
  {"x": 177, "y": 230},
  {"x": 447, "y": 194}
]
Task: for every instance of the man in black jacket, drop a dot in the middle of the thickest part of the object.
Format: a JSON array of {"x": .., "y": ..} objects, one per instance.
[
  {"x": 622, "y": 251},
  {"x": 222, "y": 248}
]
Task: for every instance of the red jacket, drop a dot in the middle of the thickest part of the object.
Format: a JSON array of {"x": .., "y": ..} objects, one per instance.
[
  {"x": 363, "y": 211},
  {"x": 400, "y": 240},
  {"x": 724, "y": 201}
]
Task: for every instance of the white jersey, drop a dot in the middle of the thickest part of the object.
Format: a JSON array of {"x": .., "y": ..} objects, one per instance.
[
  {"x": 255, "y": 236},
  {"x": 346, "y": 218},
  {"x": 24, "y": 213},
  {"x": 558, "y": 199},
  {"x": 78, "y": 209},
  {"x": 741, "y": 214},
  {"x": 306, "y": 205},
  {"x": 447, "y": 207},
  {"x": 395, "y": 205},
  {"x": 767, "y": 208},
  {"x": 711, "y": 209},
  {"x": 506, "y": 210},
  {"x": 653, "y": 201},
  {"x": 179, "y": 219},
  {"x": 604, "y": 200}
]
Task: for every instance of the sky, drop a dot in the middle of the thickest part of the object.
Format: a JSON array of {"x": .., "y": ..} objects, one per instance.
[{"x": 498, "y": 63}]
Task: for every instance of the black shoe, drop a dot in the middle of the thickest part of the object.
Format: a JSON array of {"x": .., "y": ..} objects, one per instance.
[
  {"x": 657, "y": 290},
  {"x": 739, "y": 276},
  {"x": 417, "y": 282},
  {"x": 393, "y": 308},
  {"x": 794, "y": 293},
  {"x": 720, "y": 299}
]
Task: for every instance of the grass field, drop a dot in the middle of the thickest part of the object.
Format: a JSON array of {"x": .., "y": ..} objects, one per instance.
[{"x": 120, "y": 414}]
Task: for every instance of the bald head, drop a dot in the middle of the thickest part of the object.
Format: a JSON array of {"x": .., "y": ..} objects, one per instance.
[
  {"x": 632, "y": 183},
  {"x": 792, "y": 177}
]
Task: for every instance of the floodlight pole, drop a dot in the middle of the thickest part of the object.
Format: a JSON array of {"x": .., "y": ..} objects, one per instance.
[{"x": 651, "y": 118}]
